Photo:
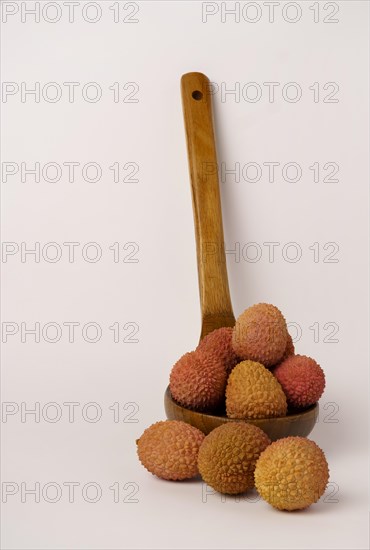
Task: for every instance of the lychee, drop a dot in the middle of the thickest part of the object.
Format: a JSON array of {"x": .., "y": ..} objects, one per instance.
[
  {"x": 302, "y": 380},
  {"x": 253, "y": 392},
  {"x": 198, "y": 381},
  {"x": 260, "y": 334},
  {"x": 169, "y": 449},
  {"x": 228, "y": 455},
  {"x": 218, "y": 344},
  {"x": 291, "y": 473}
]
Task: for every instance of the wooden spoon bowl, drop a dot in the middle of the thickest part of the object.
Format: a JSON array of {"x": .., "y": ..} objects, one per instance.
[
  {"x": 214, "y": 292},
  {"x": 295, "y": 423}
]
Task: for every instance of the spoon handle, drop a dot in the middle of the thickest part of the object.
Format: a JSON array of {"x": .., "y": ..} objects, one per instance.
[{"x": 214, "y": 291}]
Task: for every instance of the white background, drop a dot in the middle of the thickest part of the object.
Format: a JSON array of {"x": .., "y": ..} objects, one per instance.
[{"x": 159, "y": 292}]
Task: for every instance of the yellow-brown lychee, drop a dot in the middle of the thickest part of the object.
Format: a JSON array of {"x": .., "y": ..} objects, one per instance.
[
  {"x": 228, "y": 455},
  {"x": 292, "y": 473},
  {"x": 252, "y": 391}
]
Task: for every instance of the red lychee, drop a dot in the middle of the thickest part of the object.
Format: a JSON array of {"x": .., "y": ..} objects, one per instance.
[
  {"x": 198, "y": 381},
  {"x": 302, "y": 380},
  {"x": 218, "y": 344}
]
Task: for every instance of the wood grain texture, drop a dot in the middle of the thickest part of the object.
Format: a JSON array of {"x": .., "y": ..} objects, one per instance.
[{"x": 214, "y": 292}]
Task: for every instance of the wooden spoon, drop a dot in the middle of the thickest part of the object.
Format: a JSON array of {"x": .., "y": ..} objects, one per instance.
[{"x": 214, "y": 292}]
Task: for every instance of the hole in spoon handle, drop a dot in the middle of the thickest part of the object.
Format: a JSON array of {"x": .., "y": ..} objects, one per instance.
[{"x": 197, "y": 95}]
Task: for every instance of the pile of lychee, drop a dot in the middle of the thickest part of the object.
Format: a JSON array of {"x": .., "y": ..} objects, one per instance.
[
  {"x": 250, "y": 371},
  {"x": 252, "y": 367}
]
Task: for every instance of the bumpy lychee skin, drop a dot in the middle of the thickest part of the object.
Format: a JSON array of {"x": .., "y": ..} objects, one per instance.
[
  {"x": 169, "y": 449},
  {"x": 302, "y": 380},
  {"x": 260, "y": 334},
  {"x": 228, "y": 455},
  {"x": 252, "y": 391},
  {"x": 198, "y": 381},
  {"x": 289, "y": 348},
  {"x": 218, "y": 343},
  {"x": 292, "y": 473}
]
